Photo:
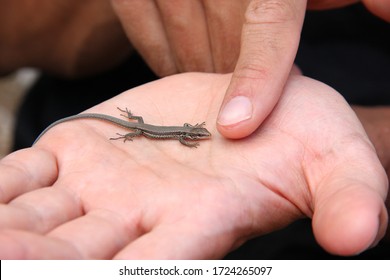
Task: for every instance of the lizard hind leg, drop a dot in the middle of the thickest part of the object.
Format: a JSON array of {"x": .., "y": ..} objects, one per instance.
[
  {"x": 130, "y": 115},
  {"x": 127, "y": 136}
]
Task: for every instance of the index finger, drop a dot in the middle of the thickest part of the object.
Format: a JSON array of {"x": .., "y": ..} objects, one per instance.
[{"x": 269, "y": 43}]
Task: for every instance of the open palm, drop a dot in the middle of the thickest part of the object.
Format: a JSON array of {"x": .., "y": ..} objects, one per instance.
[{"x": 77, "y": 194}]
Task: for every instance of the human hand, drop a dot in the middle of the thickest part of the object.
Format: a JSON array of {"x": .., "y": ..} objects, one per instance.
[
  {"x": 76, "y": 194},
  {"x": 258, "y": 39},
  {"x": 69, "y": 38}
]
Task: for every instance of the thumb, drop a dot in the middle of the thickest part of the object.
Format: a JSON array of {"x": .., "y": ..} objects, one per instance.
[
  {"x": 269, "y": 43},
  {"x": 350, "y": 214}
]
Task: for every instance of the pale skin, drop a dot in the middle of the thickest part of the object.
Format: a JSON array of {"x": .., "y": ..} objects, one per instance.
[{"x": 76, "y": 194}]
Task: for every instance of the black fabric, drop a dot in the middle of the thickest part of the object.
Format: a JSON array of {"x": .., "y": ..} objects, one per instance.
[{"x": 348, "y": 49}]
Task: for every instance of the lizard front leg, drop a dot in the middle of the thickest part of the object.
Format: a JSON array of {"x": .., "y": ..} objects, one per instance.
[{"x": 183, "y": 141}]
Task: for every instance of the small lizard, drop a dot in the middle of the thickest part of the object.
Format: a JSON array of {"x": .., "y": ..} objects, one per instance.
[{"x": 181, "y": 133}]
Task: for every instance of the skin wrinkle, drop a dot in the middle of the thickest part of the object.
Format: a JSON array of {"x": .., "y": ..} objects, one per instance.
[
  {"x": 278, "y": 125},
  {"x": 278, "y": 193},
  {"x": 39, "y": 218},
  {"x": 125, "y": 238},
  {"x": 305, "y": 211},
  {"x": 303, "y": 162},
  {"x": 269, "y": 39},
  {"x": 102, "y": 214},
  {"x": 271, "y": 11},
  {"x": 28, "y": 209},
  {"x": 250, "y": 71},
  {"x": 131, "y": 221},
  {"x": 80, "y": 254},
  {"x": 77, "y": 197},
  {"x": 253, "y": 69},
  {"x": 278, "y": 197},
  {"x": 22, "y": 248},
  {"x": 121, "y": 244},
  {"x": 13, "y": 164},
  {"x": 10, "y": 239}
]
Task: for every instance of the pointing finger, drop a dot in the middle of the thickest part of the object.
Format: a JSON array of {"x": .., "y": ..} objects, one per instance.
[{"x": 269, "y": 44}]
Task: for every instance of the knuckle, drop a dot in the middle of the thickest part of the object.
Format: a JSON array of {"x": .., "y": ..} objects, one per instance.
[
  {"x": 270, "y": 11},
  {"x": 251, "y": 71}
]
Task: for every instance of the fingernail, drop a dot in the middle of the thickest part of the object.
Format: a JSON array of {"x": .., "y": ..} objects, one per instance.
[{"x": 238, "y": 109}]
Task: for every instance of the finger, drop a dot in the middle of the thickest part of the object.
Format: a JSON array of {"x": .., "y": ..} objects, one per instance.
[
  {"x": 18, "y": 245},
  {"x": 381, "y": 8},
  {"x": 97, "y": 235},
  {"x": 295, "y": 70},
  {"x": 350, "y": 215},
  {"x": 269, "y": 44},
  {"x": 144, "y": 27},
  {"x": 224, "y": 21},
  {"x": 40, "y": 210},
  {"x": 26, "y": 170},
  {"x": 176, "y": 242},
  {"x": 186, "y": 29}
]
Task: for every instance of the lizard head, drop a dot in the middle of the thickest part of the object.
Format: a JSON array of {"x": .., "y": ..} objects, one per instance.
[{"x": 199, "y": 133}]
